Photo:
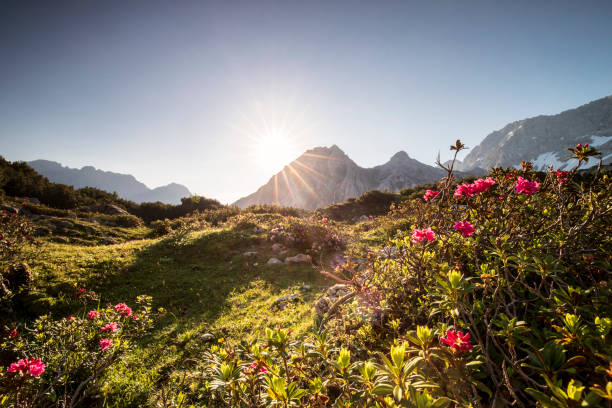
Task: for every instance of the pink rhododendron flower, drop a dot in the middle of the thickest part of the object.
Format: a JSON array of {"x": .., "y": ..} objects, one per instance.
[
  {"x": 134, "y": 317},
  {"x": 465, "y": 228},
  {"x": 562, "y": 176},
  {"x": 429, "y": 194},
  {"x": 105, "y": 343},
  {"x": 33, "y": 365},
  {"x": 477, "y": 187},
  {"x": 524, "y": 186},
  {"x": 111, "y": 327},
  {"x": 93, "y": 314},
  {"x": 123, "y": 309},
  {"x": 457, "y": 341},
  {"x": 324, "y": 219},
  {"x": 419, "y": 235}
]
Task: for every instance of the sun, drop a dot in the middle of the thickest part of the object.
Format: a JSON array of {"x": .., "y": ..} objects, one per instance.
[{"x": 273, "y": 150}]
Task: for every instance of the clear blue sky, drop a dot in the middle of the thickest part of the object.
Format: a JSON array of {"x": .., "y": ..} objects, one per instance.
[{"x": 181, "y": 91}]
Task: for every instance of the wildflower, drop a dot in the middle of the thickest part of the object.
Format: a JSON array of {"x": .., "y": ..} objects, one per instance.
[
  {"x": 263, "y": 370},
  {"x": 105, "y": 343},
  {"x": 112, "y": 327},
  {"x": 93, "y": 314},
  {"x": 33, "y": 365},
  {"x": 36, "y": 367},
  {"x": 13, "y": 333},
  {"x": 429, "y": 194},
  {"x": 324, "y": 219},
  {"x": 477, "y": 187},
  {"x": 254, "y": 364},
  {"x": 457, "y": 341},
  {"x": 69, "y": 318},
  {"x": 562, "y": 176},
  {"x": 123, "y": 309},
  {"x": 83, "y": 290},
  {"x": 134, "y": 317},
  {"x": 465, "y": 228},
  {"x": 525, "y": 186},
  {"x": 419, "y": 235}
]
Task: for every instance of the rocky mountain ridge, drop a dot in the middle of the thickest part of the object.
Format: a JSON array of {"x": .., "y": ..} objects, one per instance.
[
  {"x": 326, "y": 175},
  {"x": 125, "y": 185},
  {"x": 544, "y": 139}
]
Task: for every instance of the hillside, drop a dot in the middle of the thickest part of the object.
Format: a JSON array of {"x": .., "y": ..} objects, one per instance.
[
  {"x": 543, "y": 140},
  {"x": 126, "y": 186}
]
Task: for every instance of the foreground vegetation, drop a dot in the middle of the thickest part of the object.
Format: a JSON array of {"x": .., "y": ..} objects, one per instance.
[{"x": 490, "y": 292}]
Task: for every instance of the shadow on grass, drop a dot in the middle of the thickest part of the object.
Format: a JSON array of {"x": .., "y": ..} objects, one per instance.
[{"x": 192, "y": 279}]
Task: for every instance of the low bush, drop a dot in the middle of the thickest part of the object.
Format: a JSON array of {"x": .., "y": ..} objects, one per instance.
[{"x": 62, "y": 362}]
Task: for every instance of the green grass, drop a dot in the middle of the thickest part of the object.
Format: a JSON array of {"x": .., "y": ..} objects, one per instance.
[{"x": 202, "y": 280}]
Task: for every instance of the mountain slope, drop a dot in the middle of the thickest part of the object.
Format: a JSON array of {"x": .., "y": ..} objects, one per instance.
[
  {"x": 126, "y": 186},
  {"x": 326, "y": 175},
  {"x": 544, "y": 140}
]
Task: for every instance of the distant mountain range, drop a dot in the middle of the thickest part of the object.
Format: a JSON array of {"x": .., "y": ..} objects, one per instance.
[
  {"x": 126, "y": 186},
  {"x": 544, "y": 140},
  {"x": 326, "y": 175}
]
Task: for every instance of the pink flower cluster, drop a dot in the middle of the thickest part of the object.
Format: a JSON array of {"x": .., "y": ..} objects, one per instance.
[
  {"x": 465, "y": 228},
  {"x": 93, "y": 314},
  {"x": 123, "y": 309},
  {"x": 524, "y": 186},
  {"x": 419, "y": 235},
  {"x": 33, "y": 366},
  {"x": 477, "y": 187},
  {"x": 429, "y": 194},
  {"x": 111, "y": 327},
  {"x": 105, "y": 343},
  {"x": 562, "y": 176},
  {"x": 457, "y": 341},
  {"x": 262, "y": 369}
]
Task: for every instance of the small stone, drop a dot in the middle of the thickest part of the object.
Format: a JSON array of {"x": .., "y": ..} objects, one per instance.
[
  {"x": 256, "y": 264},
  {"x": 250, "y": 254},
  {"x": 278, "y": 247},
  {"x": 108, "y": 241},
  {"x": 208, "y": 337},
  {"x": 299, "y": 258},
  {"x": 257, "y": 229},
  {"x": 60, "y": 240},
  {"x": 273, "y": 261},
  {"x": 305, "y": 288}
]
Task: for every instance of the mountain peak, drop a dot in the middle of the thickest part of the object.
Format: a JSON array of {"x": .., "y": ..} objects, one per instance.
[{"x": 400, "y": 156}]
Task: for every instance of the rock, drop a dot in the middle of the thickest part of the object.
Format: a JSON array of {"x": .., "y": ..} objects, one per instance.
[
  {"x": 257, "y": 229},
  {"x": 363, "y": 218},
  {"x": 9, "y": 208},
  {"x": 108, "y": 209},
  {"x": 206, "y": 337},
  {"x": 305, "y": 288},
  {"x": 282, "y": 302},
  {"x": 256, "y": 264},
  {"x": 273, "y": 261},
  {"x": 108, "y": 241},
  {"x": 278, "y": 247},
  {"x": 250, "y": 254},
  {"x": 299, "y": 258},
  {"x": 33, "y": 200},
  {"x": 333, "y": 293},
  {"x": 60, "y": 240}
]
